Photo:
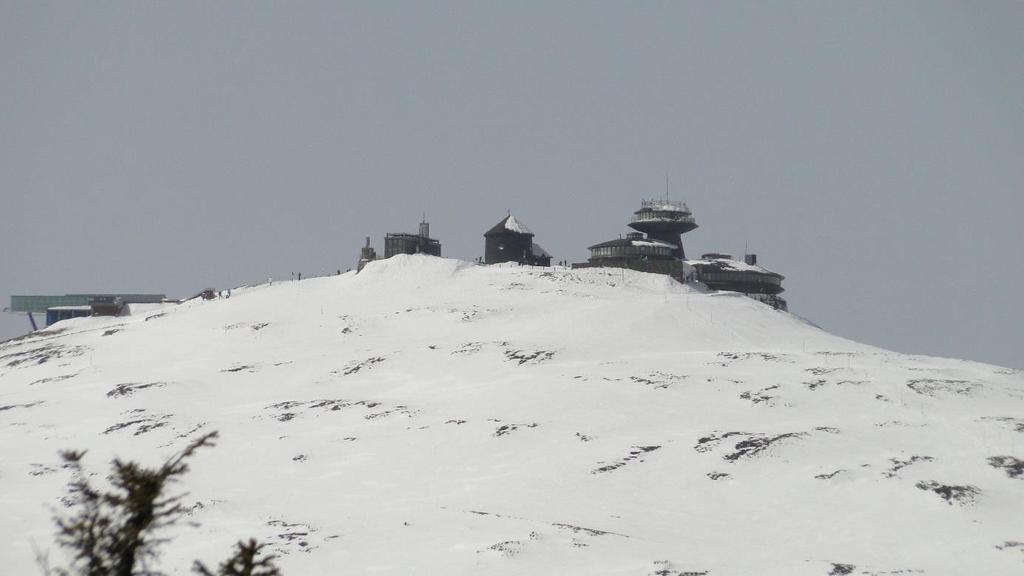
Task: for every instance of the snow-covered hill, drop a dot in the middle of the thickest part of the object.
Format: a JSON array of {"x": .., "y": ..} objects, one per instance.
[{"x": 429, "y": 416}]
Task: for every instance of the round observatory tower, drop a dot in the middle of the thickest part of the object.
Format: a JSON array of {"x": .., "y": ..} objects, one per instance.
[{"x": 664, "y": 220}]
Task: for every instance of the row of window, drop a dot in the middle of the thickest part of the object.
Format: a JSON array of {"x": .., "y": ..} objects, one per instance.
[
  {"x": 746, "y": 277},
  {"x": 630, "y": 251}
]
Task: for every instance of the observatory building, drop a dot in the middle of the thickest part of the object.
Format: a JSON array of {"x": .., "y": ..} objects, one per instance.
[
  {"x": 665, "y": 221},
  {"x": 402, "y": 243},
  {"x": 661, "y": 251},
  {"x": 511, "y": 241},
  {"x": 722, "y": 272}
]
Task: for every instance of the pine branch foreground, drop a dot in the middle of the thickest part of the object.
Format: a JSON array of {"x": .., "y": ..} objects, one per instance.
[{"x": 113, "y": 533}]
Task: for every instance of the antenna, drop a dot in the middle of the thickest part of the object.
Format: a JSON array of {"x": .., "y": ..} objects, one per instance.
[{"x": 666, "y": 185}]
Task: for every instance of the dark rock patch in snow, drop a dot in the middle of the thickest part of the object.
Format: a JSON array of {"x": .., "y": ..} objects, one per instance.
[
  {"x": 24, "y": 338},
  {"x": 404, "y": 410},
  {"x": 469, "y": 348},
  {"x": 830, "y": 475},
  {"x": 508, "y": 548},
  {"x": 129, "y": 388},
  {"x": 754, "y": 446},
  {"x": 290, "y": 409},
  {"x": 584, "y": 437},
  {"x": 729, "y": 358},
  {"x": 43, "y": 469},
  {"x": 759, "y": 396},
  {"x": 667, "y": 568},
  {"x": 815, "y": 384},
  {"x": 357, "y": 366},
  {"x": 962, "y": 495},
  {"x": 718, "y": 475},
  {"x": 584, "y": 530},
  {"x": 456, "y": 422},
  {"x": 1016, "y": 423},
  {"x": 528, "y": 356},
  {"x": 142, "y": 425},
  {"x": 898, "y": 464},
  {"x": 658, "y": 380},
  {"x": 155, "y": 316},
  {"x": 560, "y": 525},
  {"x": 110, "y": 332},
  {"x": 41, "y": 355},
  {"x": 708, "y": 443},
  {"x": 634, "y": 454},
  {"x": 1014, "y": 467},
  {"x": 900, "y": 424},
  {"x": 933, "y": 387},
  {"x": 506, "y": 429},
  {"x": 820, "y": 371},
  {"x": 13, "y": 406},
  {"x": 52, "y": 379},
  {"x": 239, "y": 368},
  {"x": 192, "y": 430},
  {"x": 841, "y": 569},
  {"x": 292, "y": 537},
  {"x": 1011, "y": 545}
]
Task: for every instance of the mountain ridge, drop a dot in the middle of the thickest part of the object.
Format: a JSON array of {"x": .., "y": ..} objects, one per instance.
[{"x": 433, "y": 416}]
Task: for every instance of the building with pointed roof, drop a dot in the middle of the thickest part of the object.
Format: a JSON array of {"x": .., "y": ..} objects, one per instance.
[{"x": 511, "y": 241}]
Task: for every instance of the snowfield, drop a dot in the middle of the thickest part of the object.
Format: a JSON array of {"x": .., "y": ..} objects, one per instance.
[{"x": 430, "y": 416}]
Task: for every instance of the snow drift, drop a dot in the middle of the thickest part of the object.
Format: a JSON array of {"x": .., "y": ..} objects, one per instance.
[{"x": 429, "y": 416}]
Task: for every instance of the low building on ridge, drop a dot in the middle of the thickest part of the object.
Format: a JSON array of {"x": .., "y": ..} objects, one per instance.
[
  {"x": 722, "y": 272},
  {"x": 403, "y": 243}
]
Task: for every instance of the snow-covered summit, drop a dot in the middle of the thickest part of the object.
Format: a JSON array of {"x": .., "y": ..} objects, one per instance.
[{"x": 430, "y": 416}]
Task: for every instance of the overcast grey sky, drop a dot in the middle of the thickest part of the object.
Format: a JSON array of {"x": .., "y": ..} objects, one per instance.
[{"x": 871, "y": 152}]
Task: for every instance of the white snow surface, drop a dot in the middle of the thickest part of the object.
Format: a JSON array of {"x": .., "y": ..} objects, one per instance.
[
  {"x": 514, "y": 225},
  {"x": 731, "y": 264},
  {"x": 654, "y": 243},
  {"x": 430, "y": 416}
]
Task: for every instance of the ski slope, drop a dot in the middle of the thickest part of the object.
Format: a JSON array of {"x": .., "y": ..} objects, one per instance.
[{"x": 431, "y": 416}]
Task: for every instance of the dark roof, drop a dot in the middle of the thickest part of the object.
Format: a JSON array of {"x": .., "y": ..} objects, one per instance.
[
  {"x": 508, "y": 225},
  {"x": 616, "y": 242},
  {"x": 538, "y": 251}
]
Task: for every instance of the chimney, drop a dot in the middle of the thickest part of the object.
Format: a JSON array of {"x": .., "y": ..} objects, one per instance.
[
  {"x": 425, "y": 229},
  {"x": 751, "y": 259}
]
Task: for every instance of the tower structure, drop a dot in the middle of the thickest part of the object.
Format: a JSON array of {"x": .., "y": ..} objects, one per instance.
[
  {"x": 666, "y": 221},
  {"x": 366, "y": 255}
]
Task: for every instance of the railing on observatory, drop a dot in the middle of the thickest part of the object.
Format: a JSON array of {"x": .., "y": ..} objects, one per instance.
[{"x": 663, "y": 211}]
